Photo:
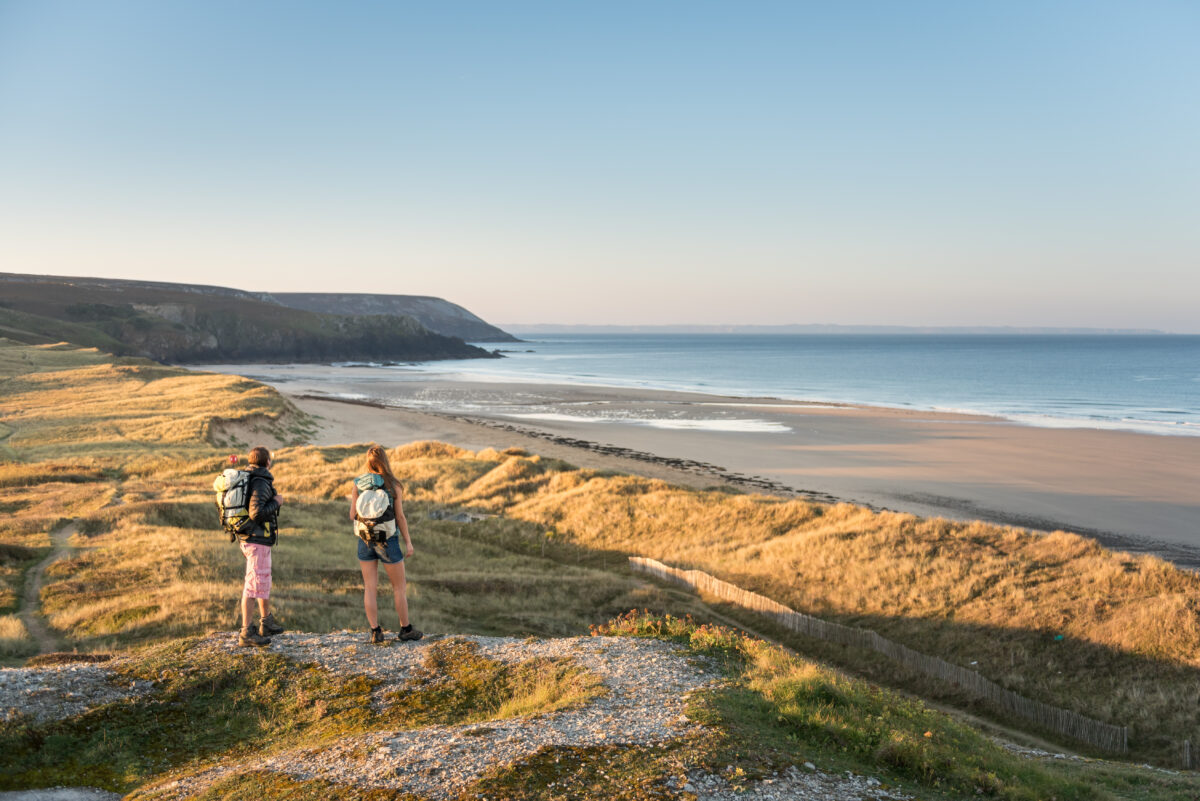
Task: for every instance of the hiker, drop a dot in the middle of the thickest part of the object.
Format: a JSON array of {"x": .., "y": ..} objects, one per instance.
[
  {"x": 378, "y": 516},
  {"x": 256, "y": 541}
]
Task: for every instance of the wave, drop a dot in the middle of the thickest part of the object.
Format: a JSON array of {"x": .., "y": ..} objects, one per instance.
[{"x": 744, "y": 426}]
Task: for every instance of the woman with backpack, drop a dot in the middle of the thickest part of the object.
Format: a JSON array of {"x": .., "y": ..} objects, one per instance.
[{"x": 378, "y": 516}]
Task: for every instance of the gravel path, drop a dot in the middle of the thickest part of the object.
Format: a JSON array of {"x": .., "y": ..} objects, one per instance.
[
  {"x": 647, "y": 682},
  {"x": 61, "y": 794},
  {"x": 60, "y": 691},
  {"x": 792, "y": 784}
]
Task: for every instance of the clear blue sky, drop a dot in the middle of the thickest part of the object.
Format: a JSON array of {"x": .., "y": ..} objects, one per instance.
[{"x": 1024, "y": 163}]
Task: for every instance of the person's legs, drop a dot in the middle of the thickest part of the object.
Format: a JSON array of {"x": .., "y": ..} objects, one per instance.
[
  {"x": 257, "y": 586},
  {"x": 395, "y": 574},
  {"x": 370, "y": 574}
]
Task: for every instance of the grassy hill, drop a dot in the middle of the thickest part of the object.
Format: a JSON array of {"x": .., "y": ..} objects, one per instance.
[
  {"x": 183, "y": 323},
  {"x": 123, "y": 447}
]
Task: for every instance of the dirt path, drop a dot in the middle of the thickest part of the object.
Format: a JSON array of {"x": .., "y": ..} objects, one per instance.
[{"x": 31, "y": 614}]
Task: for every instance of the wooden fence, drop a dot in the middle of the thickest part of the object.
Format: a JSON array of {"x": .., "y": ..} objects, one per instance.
[{"x": 1071, "y": 724}]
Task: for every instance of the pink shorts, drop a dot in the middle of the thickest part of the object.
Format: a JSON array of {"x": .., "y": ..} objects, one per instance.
[{"x": 258, "y": 570}]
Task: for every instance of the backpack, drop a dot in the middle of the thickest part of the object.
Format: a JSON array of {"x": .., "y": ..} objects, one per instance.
[
  {"x": 374, "y": 511},
  {"x": 233, "y": 501}
]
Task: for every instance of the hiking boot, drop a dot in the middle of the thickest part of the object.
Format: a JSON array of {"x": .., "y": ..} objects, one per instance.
[
  {"x": 268, "y": 627},
  {"x": 252, "y": 637},
  {"x": 376, "y": 635},
  {"x": 408, "y": 633}
]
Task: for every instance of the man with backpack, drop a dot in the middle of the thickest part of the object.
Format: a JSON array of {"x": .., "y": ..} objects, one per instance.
[{"x": 256, "y": 536}]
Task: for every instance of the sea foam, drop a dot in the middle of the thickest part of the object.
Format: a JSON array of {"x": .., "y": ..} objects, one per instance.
[{"x": 749, "y": 426}]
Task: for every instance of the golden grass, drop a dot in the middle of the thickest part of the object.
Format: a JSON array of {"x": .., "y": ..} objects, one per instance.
[
  {"x": 14, "y": 638},
  {"x": 161, "y": 569},
  {"x": 63, "y": 402}
]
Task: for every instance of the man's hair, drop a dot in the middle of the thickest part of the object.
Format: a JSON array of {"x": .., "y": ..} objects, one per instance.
[{"x": 259, "y": 456}]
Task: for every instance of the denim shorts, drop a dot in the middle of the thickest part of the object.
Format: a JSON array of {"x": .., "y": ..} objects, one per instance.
[{"x": 391, "y": 551}]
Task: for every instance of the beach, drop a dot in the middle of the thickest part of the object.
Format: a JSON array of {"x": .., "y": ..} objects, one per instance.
[{"x": 1131, "y": 491}]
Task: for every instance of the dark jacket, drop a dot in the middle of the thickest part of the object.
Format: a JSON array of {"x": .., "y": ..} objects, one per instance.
[{"x": 263, "y": 508}]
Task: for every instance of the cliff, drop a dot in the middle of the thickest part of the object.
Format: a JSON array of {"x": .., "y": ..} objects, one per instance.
[
  {"x": 192, "y": 323},
  {"x": 439, "y": 316}
]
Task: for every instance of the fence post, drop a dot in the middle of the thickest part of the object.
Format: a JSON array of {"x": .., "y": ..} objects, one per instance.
[{"x": 1187, "y": 754}]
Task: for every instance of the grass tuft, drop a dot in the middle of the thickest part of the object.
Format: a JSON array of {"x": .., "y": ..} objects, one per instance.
[{"x": 456, "y": 685}]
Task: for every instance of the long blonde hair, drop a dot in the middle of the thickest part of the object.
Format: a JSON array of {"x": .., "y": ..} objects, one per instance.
[{"x": 377, "y": 462}]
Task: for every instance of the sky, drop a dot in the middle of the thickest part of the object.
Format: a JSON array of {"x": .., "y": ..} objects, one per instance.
[{"x": 919, "y": 163}]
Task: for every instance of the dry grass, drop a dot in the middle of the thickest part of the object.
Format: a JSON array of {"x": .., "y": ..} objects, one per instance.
[
  {"x": 14, "y": 638},
  {"x": 62, "y": 402},
  {"x": 161, "y": 568}
]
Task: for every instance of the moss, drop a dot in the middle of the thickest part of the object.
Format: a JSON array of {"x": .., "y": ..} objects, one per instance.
[
  {"x": 605, "y": 773},
  {"x": 456, "y": 684}
]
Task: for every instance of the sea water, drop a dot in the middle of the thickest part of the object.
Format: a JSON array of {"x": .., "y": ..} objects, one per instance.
[{"x": 1145, "y": 383}]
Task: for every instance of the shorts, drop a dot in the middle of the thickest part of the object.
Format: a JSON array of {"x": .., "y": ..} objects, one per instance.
[
  {"x": 391, "y": 551},
  {"x": 258, "y": 570}
]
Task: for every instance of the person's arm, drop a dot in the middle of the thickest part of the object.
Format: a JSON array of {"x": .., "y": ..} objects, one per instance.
[
  {"x": 264, "y": 503},
  {"x": 353, "y": 502},
  {"x": 401, "y": 521}
]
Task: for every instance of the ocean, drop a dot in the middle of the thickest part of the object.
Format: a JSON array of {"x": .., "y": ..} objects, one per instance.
[{"x": 1145, "y": 383}]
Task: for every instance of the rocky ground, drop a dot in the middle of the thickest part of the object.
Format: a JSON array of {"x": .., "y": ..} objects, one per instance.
[
  {"x": 647, "y": 683},
  {"x": 60, "y": 691}
]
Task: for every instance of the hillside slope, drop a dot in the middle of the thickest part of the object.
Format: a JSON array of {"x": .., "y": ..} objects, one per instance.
[
  {"x": 440, "y": 316},
  {"x": 646, "y": 708},
  {"x": 185, "y": 323}
]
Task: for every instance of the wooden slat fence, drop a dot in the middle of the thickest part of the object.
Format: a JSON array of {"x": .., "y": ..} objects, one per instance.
[{"x": 1070, "y": 724}]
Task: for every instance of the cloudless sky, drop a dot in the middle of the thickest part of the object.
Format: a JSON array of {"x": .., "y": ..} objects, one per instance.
[{"x": 921, "y": 163}]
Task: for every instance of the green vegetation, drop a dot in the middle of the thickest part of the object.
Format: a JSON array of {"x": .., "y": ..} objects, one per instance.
[
  {"x": 180, "y": 323},
  {"x": 781, "y": 709}
]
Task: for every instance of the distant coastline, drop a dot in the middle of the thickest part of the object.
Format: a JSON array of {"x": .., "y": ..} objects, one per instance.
[{"x": 555, "y": 328}]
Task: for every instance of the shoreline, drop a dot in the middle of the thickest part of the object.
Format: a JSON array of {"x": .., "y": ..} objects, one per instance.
[
  {"x": 704, "y": 475},
  {"x": 1155, "y": 428},
  {"x": 1130, "y": 491}
]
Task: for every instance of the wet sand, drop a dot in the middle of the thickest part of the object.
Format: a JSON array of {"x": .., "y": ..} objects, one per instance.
[{"x": 1132, "y": 491}]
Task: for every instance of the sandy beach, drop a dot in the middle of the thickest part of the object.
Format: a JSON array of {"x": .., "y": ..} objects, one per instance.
[{"x": 1132, "y": 491}]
